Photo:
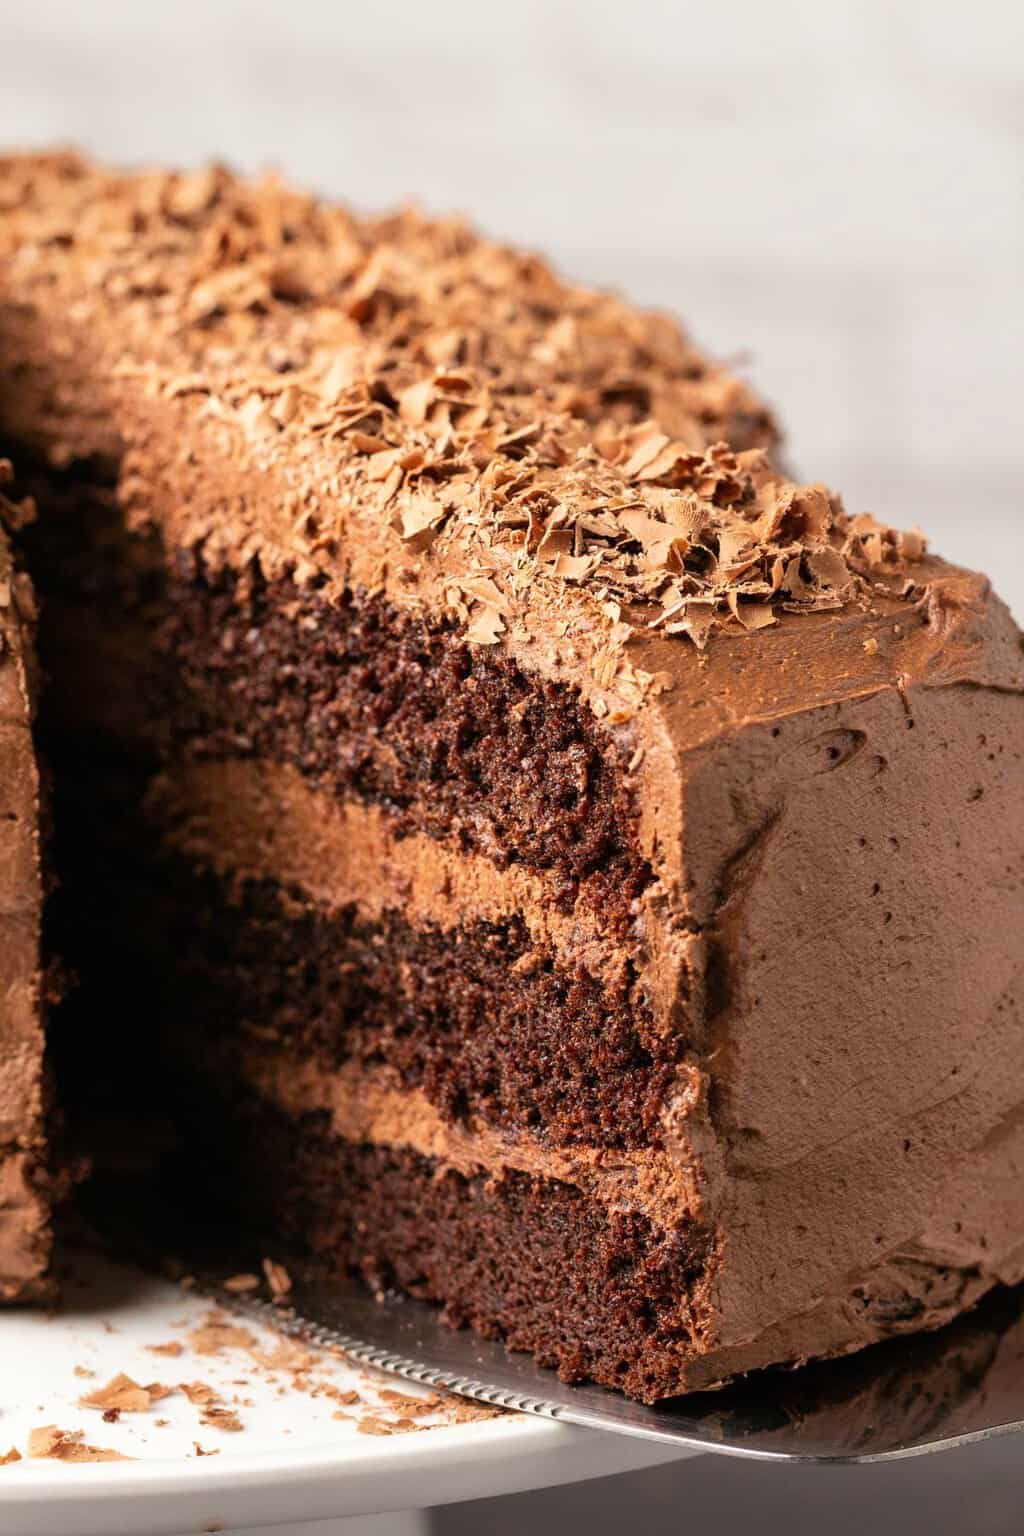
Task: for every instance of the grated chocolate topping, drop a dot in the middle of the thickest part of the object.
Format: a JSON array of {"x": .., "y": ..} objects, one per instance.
[{"x": 512, "y": 444}]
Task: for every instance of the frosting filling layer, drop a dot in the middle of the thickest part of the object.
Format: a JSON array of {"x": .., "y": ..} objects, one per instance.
[
  {"x": 369, "y": 1106},
  {"x": 250, "y": 819}
]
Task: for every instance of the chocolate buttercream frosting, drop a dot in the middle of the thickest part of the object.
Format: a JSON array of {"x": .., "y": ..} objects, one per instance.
[
  {"x": 24, "y": 1215},
  {"x": 457, "y": 613}
]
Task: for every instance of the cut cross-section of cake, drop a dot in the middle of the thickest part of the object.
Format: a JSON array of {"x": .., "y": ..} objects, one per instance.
[
  {"x": 562, "y": 866},
  {"x": 24, "y": 1208}
]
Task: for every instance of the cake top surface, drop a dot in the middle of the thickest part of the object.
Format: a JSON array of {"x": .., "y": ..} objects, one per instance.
[
  {"x": 439, "y": 415},
  {"x": 252, "y": 282}
]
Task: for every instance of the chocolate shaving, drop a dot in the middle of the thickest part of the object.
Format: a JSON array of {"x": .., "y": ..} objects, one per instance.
[
  {"x": 485, "y": 627},
  {"x": 218, "y": 1333},
  {"x": 199, "y": 1392},
  {"x": 50, "y": 1443},
  {"x": 124, "y": 1395},
  {"x": 287, "y": 1355},
  {"x": 240, "y": 1285},
  {"x": 216, "y": 1417},
  {"x": 405, "y": 1404},
  {"x": 279, "y": 1281}
]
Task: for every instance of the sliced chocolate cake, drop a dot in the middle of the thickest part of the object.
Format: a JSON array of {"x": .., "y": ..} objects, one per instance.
[{"x": 547, "y": 859}]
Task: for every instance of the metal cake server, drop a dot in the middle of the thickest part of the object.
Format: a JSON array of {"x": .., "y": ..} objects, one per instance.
[{"x": 925, "y": 1392}]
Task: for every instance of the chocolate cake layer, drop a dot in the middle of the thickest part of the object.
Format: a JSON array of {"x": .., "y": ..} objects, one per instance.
[
  {"x": 898, "y": 1286},
  {"x": 455, "y": 1010}
]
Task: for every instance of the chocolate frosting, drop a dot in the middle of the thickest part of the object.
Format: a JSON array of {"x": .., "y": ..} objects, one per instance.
[
  {"x": 24, "y": 1225},
  {"x": 263, "y": 821}
]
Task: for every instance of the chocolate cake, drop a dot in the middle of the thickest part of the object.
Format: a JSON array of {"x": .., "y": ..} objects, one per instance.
[{"x": 538, "y": 855}]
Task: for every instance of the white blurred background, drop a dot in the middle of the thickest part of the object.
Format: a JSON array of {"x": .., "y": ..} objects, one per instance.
[{"x": 834, "y": 191}]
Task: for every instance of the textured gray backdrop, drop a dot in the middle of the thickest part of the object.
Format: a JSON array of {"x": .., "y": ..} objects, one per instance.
[{"x": 834, "y": 190}]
